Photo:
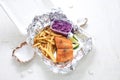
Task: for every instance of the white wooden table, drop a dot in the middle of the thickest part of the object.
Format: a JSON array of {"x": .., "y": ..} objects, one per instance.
[{"x": 102, "y": 64}]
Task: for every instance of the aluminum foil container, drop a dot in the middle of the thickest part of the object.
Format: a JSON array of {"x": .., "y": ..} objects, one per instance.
[{"x": 41, "y": 21}]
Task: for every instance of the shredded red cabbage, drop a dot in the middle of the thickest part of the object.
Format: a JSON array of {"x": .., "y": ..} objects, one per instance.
[{"x": 62, "y": 26}]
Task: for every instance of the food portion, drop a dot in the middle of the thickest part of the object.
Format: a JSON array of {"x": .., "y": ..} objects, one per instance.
[
  {"x": 45, "y": 42},
  {"x": 64, "y": 49},
  {"x": 54, "y": 44},
  {"x": 64, "y": 55},
  {"x": 74, "y": 40},
  {"x": 61, "y": 27},
  {"x": 75, "y": 45},
  {"x": 63, "y": 43}
]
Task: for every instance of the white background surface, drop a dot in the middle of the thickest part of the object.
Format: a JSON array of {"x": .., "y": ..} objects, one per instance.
[{"x": 102, "y": 64}]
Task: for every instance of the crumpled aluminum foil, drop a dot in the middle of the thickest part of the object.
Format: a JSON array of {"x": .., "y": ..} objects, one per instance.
[{"x": 39, "y": 22}]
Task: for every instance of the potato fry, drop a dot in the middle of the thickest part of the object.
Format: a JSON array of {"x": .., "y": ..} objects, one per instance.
[
  {"x": 36, "y": 44},
  {"x": 44, "y": 40}
]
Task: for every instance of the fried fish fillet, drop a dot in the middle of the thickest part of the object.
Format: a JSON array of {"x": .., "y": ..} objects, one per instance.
[
  {"x": 64, "y": 49},
  {"x": 64, "y": 55},
  {"x": 63, "y": 43}
]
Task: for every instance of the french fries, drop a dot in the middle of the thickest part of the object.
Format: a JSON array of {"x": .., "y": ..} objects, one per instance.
[{"x": 44, "y": 40}]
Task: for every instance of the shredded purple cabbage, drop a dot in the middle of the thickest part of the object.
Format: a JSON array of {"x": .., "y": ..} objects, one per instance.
[{"x": 62, "y": 26}]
